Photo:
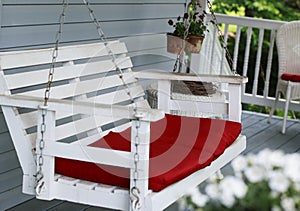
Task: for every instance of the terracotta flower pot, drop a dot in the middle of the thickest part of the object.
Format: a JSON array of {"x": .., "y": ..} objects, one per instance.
[{"x": 192, "y": 44}]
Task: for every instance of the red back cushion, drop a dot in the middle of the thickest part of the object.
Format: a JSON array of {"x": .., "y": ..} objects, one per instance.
[{"x": 290, "y": 77}]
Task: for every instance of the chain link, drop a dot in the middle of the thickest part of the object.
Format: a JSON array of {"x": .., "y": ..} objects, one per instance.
[
  {"x": 180, "y": 55},
  {"x": 40, "y": 160},
  {"x": 55, "y": 51},
  {"x": 135, "y": 198},
  {"x": 134, "y": 192},
  {"x": 224, "y": 45}
]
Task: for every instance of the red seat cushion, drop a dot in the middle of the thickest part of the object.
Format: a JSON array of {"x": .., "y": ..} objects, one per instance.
[
  {"x": 179, "y": 146},
  {"x": 290, "y": 77}
]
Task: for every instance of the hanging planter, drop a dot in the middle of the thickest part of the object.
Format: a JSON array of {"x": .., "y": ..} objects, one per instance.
[
  {"x": 191, "y": 45},
  {"x": 191, "y": 26}
]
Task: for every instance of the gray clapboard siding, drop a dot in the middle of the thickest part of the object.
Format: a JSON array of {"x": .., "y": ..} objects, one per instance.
[
  {"x": 13, "y": 197},
  {"x": 17, "y": 2},
  {"x": 120, "y": 19},
  {"x": 3, "y": 126},
  {"x": 8, "y": 162},
  {"x": 44, "y": 34},
  {"x": 77, "y": 13},
  {"x": 33, "y": 23},
  {"x": 5, "y": 143}
]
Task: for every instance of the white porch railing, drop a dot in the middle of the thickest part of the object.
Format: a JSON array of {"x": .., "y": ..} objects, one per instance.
[{"x": 256, "y": 74}]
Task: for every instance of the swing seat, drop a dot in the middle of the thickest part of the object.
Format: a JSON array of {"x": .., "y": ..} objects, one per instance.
[
  {"x": 89, "y": 107},
  {"x": 179, "y": 146}
]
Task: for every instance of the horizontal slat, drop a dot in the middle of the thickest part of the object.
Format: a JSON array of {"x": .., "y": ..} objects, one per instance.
[
  {"x": 145, "y": 113},
  {"x": 89, "y": 154},
  {"x": 82, "y": 125},
  {"x": 91, "y": 139},
  {"x": 30, "y": 119},
  {"x": 208, "y": 107},
  {"x": 103, "y": 195},
  {"x": 83, "y": 87},
  {"x": 66, "y": 53},
  {"x": 190, "y": 77},
  {"x": 31, "y": 78},
  {"x": 87, "y": 123}
]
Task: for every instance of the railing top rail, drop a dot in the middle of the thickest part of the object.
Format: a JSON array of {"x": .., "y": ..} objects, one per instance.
[{"x": 249, "y": 21}]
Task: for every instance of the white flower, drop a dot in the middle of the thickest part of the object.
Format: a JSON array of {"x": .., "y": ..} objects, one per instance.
[
  {"x": 276, "y": 158},
  {"x": 292, "y": 166},
  {"x": 199, "y": 199},
  {"x": 276, "y": 208},
  {"x": 213, "y": 191},
  {"x": 239, "y": 164},
  {"x": 288, "y": 204},
  {"x": 233, "y": 186},
  {"x": 255, "y": 173},
  {"x": 297, "y": 186},
  {"x": 278, "y": 182},
  {"x": 263, "y": 158},
  {"x": 227, "y": 199},
  {"x": 214, "y": 178}
]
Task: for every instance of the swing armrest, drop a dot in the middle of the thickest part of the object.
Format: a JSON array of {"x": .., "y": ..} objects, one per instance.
[
  {"x": 145, "y": 114},
  {"x": 231, "y": 79}
]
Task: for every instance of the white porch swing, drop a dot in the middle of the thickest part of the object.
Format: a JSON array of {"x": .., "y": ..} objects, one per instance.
[{"x": 96, "y": 141}]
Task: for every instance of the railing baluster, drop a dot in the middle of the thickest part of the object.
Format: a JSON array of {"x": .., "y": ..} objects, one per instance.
[
  {"x": 258, "y": 58},
  {"x": 270, "y": 58},
  {"x": 246, "y": 58},
  {"x": 236, "y": 47},
  {"x": 213, "y": 50},
  {"x": 223, "y": 50}
]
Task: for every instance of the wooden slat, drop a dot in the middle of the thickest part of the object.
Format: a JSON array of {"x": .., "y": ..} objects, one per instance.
[
  {"x": 30, "y": 119},
  {"x": 83, "y": 87},
  {"x": 67, "y": 53},
  {"x": 25, "y": 79},
  {"x": 190, "y": 77},
  {"x": 82, "y": 125},
  {"x": 90, "y": 154}
]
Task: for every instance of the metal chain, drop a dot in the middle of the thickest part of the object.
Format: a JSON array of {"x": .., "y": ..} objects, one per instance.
[
  {"x": 180, "y": 55},
  {"x": 134, "y": 192},
  {"x": 224, "y": 45},
  {"x": 39, "y": 175},
  {"x": 55, "y": 51},
  {"x": 110, "y": 52}
]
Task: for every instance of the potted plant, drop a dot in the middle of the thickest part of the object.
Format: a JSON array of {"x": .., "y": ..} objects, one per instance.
[{"x": 189, "y": 31}]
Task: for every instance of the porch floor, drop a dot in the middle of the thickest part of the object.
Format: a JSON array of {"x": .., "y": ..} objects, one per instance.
[{"x": 259, "y": 135}]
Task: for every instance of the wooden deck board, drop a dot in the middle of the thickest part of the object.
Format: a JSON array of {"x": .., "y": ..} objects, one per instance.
[{"x": 259, "y": 134}]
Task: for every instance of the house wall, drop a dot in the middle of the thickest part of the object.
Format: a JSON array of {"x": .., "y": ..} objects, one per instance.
[{"x": 33, "y": 24}]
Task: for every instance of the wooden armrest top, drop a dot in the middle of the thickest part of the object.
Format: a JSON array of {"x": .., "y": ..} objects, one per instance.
[
  {"x": 232, "y": 79},
  {"x": 145, "y": 114}
]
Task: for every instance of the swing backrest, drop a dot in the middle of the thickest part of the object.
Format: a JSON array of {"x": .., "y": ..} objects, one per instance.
[{"x": 83, "y": 73}]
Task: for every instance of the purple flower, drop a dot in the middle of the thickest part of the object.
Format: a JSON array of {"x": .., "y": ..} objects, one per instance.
[
  {"x": 170, "y": 22},
  {"x": 186, "y": 15}
]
